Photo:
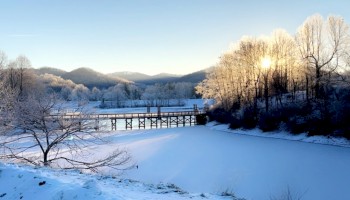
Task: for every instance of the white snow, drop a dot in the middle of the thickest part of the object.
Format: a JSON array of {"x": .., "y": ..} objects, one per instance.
[
  {"x": 203, "y": 159},
  {"x": 24, "y": 182}
]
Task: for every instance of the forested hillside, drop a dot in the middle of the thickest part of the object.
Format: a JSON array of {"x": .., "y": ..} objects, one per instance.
[{"x": 91, "y": 78}]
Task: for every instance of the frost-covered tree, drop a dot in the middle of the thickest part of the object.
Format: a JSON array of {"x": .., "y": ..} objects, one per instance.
[
  {"x": 18, "y": 77},
  {"x": 157, "y": 95},
  {"x": 96, "y": 94},
  {"x": 6, "y": 96},
  {"x": 56, "y": 83},
  {"x": 41, "y": 125},
  {"x": 117, "y": 95},
  {"x": 287, "y": 71},
  {"x": 80, "y": 93},
  {"x": 237, "y": 78},
  {"x": 323, "y": 46},
  {"x": 184, "y": 90}
]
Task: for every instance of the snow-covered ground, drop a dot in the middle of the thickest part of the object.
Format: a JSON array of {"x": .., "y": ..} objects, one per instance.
[
  {"x": 203, "y": 159},
  {"x": 23, "y": 182}
]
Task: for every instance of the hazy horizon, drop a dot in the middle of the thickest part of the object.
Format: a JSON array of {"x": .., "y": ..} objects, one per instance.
[
  {"x": 150, "y": 37},
  {"x": 97, "y": 70}
]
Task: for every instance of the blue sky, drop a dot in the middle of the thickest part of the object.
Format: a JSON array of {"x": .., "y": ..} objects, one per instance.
[{"x": 149, "y": 36}]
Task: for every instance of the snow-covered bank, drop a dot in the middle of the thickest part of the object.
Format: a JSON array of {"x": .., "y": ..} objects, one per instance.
[
  {"x": 336, "y": 141},
  {"x": 23, "y": 182}
]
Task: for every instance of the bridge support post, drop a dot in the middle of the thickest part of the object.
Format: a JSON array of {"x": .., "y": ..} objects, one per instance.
[
  {"x": 128, "y": 123},
  {"x": 174, "y": 120},
  {"x": 114, "y": 124},
  {"x": 164, "y": 121},
  {"x": 154, "y": 122},
  {"x": 97, "y": 124},
  {"x": 142, "y": 123}
]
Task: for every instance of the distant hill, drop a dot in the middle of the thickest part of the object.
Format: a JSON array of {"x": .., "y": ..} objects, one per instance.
[
  {"x": 194, "y": 77},
  {"x": 50, "y": 70},
  {"x": 144, "y": 78},
  {"x": 91, "y": 78},
  {"x": 131, "y": 76},
  {"x": 161, "y": 78}
]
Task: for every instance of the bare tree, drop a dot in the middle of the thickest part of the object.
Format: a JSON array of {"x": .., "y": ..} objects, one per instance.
[
  {"x": 237, "y": 78},
  {"x": 42, "y": 125},
  {"x": 96, "y": 94},
  {"x": 3, "y": 60},
  {"x": 288, "y": 194},
  {"x": 23, "y": 64},
  {"x": 322, "y": 45},
  {"x": 6, "y": 96},
  {"x": 18, "y": 77}
]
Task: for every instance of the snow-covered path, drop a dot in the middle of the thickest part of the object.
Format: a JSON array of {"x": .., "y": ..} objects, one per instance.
[{"x": 200, "y": 159}]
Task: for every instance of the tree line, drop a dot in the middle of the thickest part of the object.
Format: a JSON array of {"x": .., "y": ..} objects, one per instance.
[
  {"x": 122, "y": 94},
  {"x": 299, "y": 82},
  {"x": 22, "y": 79}
]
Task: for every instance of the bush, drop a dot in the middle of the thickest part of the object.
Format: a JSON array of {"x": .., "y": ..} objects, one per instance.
[
  {"x": 236, "y": 122},
  {"x": 201, "y": 119},
  {"x": 269, "y": 121},
  {"x": 296, "y": 117},
  {"x": 341, "y": 116},
  {"x": 297, "y": 124},
  {"x": 220, "y": 115},
  {"x": 292, "y": 110},
  {"x": 249, "y": 118},
  {"x": 318, "y": 126}
]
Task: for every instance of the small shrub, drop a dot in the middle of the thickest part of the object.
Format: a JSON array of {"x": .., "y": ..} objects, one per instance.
[
  {"x": 220, "y": 115},
  {"x": 249, "y": 118},
  {"x": 201, "y": 119},
  {"x": 288, "y": 194},
  {"x": 236, "y": 122},
  {"x": 297, "y": 124},
  {"x": 340, "y": 118},
  {"x": 269, "y": 121},
  {"x": 230, "y": 194},
  {"x": 317, "y": 126}
]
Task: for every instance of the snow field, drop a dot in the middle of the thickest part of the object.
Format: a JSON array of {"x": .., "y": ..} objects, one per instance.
[{"x": 23, "y": 182}]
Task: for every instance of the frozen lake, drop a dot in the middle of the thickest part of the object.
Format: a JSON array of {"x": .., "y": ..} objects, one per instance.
[{"x": 199, "y": 159}]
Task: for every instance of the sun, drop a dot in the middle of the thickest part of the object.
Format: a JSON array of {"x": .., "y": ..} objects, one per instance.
[{"x": 266, "y": 62}]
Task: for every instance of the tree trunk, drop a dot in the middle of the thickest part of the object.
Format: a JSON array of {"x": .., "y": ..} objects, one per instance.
[
  {"x": 307, "y": 88},
  {"x": 46, "y": 163},
  {"x": 266, "y": 94},
  {"x": 317, "y": 83}
]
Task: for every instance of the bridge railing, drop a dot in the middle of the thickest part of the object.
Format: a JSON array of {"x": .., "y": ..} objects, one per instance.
[{"x": 129, "y": 115}]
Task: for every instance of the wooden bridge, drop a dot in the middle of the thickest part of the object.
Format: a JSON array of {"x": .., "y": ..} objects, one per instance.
[{"x": 156, "y": 120}]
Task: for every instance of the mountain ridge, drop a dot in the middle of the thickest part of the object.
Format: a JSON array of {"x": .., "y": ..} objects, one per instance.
[{"x": 91, "y": 78}]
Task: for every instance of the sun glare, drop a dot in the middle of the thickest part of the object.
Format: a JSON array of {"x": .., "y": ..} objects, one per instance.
[{"x": 266, "y": 62}]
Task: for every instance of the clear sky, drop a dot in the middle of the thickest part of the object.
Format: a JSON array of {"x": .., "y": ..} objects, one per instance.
[{"x": 148, "y": 36}]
